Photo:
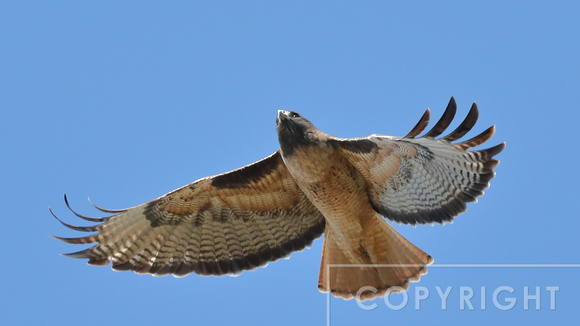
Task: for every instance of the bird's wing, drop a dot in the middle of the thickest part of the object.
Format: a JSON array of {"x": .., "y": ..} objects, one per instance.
[
  {"x": 424, "y": 180},
  {"x": 217, "y": 225}
]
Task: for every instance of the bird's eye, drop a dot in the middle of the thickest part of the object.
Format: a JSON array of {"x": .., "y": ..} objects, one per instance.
[{"x": 294, "y": 115}]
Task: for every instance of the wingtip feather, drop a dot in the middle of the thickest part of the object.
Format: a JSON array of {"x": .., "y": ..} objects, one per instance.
[
  {"x": 477, "y": 140},
  {"x": 465, "y": 126},
  {"x": 105, "y": 210},
  {"x": 80, "y": 240},
  {"x": 86, "y": 218},
  {"x": 420, "y": 126},
  {"x": 444, "y": 121},
  {"x": 74, "y": 227}
]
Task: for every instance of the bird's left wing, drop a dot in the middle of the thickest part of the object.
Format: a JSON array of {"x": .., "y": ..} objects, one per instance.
[
  {"x": 217, "y": 225},
  {"x": 424, "y": 180}
]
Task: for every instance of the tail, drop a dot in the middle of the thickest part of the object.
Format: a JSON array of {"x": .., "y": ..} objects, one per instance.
[{"x": 383, "y": 260}]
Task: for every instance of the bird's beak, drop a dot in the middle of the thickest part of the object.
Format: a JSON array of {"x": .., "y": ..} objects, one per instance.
[{"x": 282, "y": 114}]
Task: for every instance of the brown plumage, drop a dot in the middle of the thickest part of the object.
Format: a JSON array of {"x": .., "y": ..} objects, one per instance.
[{"x": 247, "y": 217}]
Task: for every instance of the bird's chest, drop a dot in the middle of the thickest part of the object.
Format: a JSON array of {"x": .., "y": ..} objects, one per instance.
[
  {"x": 329, "y": 181},
  {"x": 311, "y": 165}
]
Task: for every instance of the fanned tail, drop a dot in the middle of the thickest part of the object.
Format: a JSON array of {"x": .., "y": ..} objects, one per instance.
[{"x": 387, "y": 261}]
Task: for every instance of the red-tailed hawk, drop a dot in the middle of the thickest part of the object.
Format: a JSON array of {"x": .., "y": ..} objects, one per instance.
[{"x": 314, "y": 183}]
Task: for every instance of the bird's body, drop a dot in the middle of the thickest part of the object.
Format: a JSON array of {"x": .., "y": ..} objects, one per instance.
[
  {"x": 338, "y": 191},
  {"x": 355, "y": 233},
  {"x": 315, "y": 182}
]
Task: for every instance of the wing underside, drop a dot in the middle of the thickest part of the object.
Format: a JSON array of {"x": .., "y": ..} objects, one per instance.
[
  {"x": 218, "y": 225},
  {"x": 426, "y": 179}
]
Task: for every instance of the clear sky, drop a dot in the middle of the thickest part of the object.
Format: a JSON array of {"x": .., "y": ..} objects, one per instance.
[{"x": 123, "y": 101}]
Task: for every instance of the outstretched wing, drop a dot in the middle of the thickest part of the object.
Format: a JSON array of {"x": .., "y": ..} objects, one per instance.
[
  {"x": 217, "y": 225},
  {"x": 424, "y": 180}
]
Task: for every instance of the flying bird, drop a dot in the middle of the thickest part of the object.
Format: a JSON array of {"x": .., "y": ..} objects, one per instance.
[{"x": 314, "y": 183}]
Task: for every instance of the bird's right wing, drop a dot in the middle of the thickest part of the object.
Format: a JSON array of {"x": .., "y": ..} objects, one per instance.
[{"x": 217, "y": 225}]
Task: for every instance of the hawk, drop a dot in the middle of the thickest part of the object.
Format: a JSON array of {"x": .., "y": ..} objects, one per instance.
[{"x": 314, "y": 183}]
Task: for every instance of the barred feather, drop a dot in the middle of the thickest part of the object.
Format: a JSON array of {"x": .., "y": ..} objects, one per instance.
[
  {"x": 425, "y": 180},
  {"x": 207, "y": 227}
]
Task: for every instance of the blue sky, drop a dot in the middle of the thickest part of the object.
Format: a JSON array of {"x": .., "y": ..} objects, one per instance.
[{"x": 125, "y": 101}]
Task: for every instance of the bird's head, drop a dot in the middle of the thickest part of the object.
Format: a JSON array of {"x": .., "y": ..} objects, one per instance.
[{"x": 295, "y": 131}]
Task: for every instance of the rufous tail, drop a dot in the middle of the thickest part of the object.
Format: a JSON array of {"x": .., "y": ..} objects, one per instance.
[{"x": 383, "y": 260}]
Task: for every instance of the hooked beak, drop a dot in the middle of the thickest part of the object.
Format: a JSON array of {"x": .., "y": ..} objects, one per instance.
[{"x": 282, "y": 115}]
